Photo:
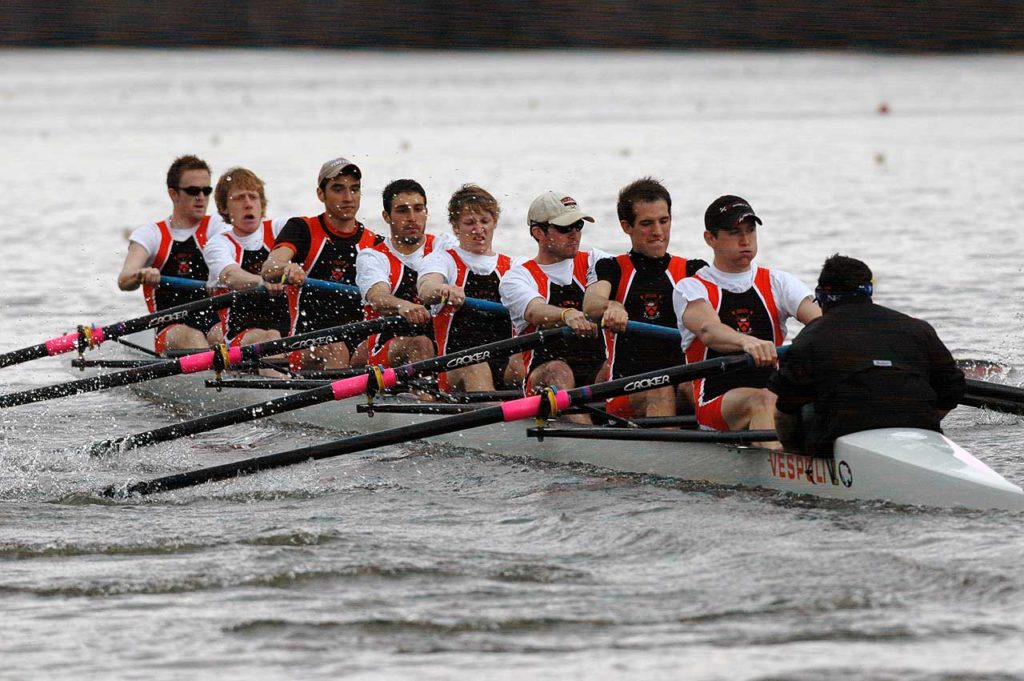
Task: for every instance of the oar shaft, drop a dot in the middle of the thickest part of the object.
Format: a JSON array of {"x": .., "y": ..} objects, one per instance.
[
  {"x": 337, "y": 390},
  {"x": 201, "y": 361},
  {"x": 509, "y": 411},
  {"x": 69, "y": 342},
  {"x": 349, "y": 445}
]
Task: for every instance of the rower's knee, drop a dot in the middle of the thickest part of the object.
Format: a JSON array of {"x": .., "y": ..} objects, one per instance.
[{"x": 555, "y": 374}]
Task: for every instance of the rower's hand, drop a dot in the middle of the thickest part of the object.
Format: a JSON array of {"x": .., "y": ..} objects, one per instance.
[
  {"x": 455, "y": 296},
  {"x": 273, "y": 289},
  {"x": 578, "y": 322},
  {"x": 413, "y": 313},
  {"x": 148, "y": 275},
  {"x": 763, "y": 352},
  {"x": 292, "y": 274},
  {"x": 615, "y": 318}
]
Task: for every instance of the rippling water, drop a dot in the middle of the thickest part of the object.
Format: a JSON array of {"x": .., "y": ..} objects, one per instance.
[{"x": 438, "y": 562}]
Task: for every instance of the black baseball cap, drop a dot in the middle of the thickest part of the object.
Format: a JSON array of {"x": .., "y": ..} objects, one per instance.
[{"x": 726, "y": 212}]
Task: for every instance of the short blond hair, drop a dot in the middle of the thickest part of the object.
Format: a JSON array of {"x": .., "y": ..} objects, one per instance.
[{"x": 237, "y": 178}]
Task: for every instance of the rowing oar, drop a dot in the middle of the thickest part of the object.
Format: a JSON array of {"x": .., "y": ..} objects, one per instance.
[
  {"x": 218, "y": 359},
  {"x": 477, "y": 304},
  {"x": 372, "y": 381},
  {"x": 87, "y": 337},
  {"x": 545, "y": 405},
  {"x": 994, "y": 397}
]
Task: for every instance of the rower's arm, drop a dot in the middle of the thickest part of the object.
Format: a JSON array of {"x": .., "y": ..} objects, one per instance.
[
  {"x": 279, "y": 265},
  {"x": 597, "y": 304},
  {"x": 237, "y": 279},
  {"x": 703, "y": 322},
  {"x": 134, "y": 271},
  {"x": 385, "y": 303},
  {"x": 545, "y": 316},
  {"x": 808, "y": 311},
  {"x": 432, "y": 289}
]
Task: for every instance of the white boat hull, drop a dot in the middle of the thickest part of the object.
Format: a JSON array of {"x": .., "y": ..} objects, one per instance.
[{"x": 903, "y": 466}]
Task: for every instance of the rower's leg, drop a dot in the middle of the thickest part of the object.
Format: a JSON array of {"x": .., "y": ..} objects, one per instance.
[
  {"x": 750, "y": 408},
  {"x": 515, "y": 371},
  {"x": 557, "y": 374},
  {"x": 251, "y": 336},
  {"x": 405, "y": 349},
  {"x": 333, "y": 356},
  {"x": 474, "y": 378},
  {"x": 183, "y": 337},
  {"x": 654, "y": 403}
]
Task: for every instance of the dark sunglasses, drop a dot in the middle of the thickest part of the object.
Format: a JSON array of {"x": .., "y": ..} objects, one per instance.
[
  {"x": 562, "y": 229},
  {"x": 196, "y": 191}
]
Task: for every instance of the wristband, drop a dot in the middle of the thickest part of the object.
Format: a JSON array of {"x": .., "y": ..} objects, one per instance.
[{"x": 565, "y": 311}]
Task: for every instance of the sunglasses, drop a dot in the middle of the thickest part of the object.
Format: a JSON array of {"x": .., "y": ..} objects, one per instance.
[
  {"x": 562, "y": 229},
  {"x": 196, "y": 191}
]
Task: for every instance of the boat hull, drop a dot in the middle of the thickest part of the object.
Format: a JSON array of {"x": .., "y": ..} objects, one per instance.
[{"x": 902, "y": 466}]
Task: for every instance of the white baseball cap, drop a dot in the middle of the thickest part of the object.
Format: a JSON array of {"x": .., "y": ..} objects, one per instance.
[
  {"x": 335, "y": 167},
  {"x": 555, "y": 209}
]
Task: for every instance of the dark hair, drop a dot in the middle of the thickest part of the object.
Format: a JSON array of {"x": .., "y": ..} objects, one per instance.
[
  {"x": 180, "y": 165},
  {"x": 396, "y": 187},
  {"x": 843, "y": 274},
  {"x": 644, "y": 190},
  {"x": 474, "y": 197}
]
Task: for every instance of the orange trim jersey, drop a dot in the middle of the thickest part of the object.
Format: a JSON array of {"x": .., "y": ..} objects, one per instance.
[
  {"x": 330, "y": 257},
  {"x": 268, "y": 313},
  {"x": 644, "y": 287},
  {"x": 584, "y": 355},
  {"x": 402, "y": 281},
  {"x": 752, "y": 312},
  {"x": 181, "y": 259}
]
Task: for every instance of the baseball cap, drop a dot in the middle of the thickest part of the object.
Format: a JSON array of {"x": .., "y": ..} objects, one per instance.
[
  {"x": 336, "y": 167},
  {"x": 726, "y": 212},
  {"x": 555, "y": 209}
]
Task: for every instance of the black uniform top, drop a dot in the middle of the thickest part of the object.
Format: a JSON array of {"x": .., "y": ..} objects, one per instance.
[
  {"x": 865, "y": 366},
  {"x": 648, "y": 299}
]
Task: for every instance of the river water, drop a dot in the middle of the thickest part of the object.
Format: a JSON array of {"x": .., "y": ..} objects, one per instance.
[{"x": 433, "y": 562}]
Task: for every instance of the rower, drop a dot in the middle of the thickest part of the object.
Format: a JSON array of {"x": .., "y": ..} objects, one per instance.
[
  {"x": 547, "y": 292},
  {"x": 387, "y": 275},
  {"x": 323, "y": 247},
  {"x": 473, "y": 269},
  {"x": 638, "y": 285},
  {"x": 173, "y": 247},
  {"x": 733, "y": 306},
  {"x": 236, "y": 256},
  {"x": 861, "y": 366}
]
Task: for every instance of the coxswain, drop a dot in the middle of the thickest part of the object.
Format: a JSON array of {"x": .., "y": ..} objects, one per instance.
[
  {"x": 638, "y": 285},
  {"x": 547, "y": 292},
  {"x": 734, "y": 306},
  {"x": 861, "y": 366},
  {"x": 323, "y": 247},
  {"x": 173, "y": 247},
  {"x": 387, "y": 275},
  {"x": 236, "y": 256},
  {"x": 470, "y": 269}
]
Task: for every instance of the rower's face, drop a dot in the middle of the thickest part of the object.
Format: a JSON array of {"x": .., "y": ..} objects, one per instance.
[
  {"x": 475, "y": 230},
  {"x": 245, "y": 208},
  {"x": 341, "y": 197},
  {"x": 735, "y": 248},
  {"x": 651, "y": 228},
  {"x": 558, "y": 245},
  {"x": 407, "y": 218},
  {"x": 192, "y": 206}
]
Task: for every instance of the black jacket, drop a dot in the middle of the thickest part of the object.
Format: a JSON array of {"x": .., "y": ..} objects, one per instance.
[{"x": 864, "y": 366}]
